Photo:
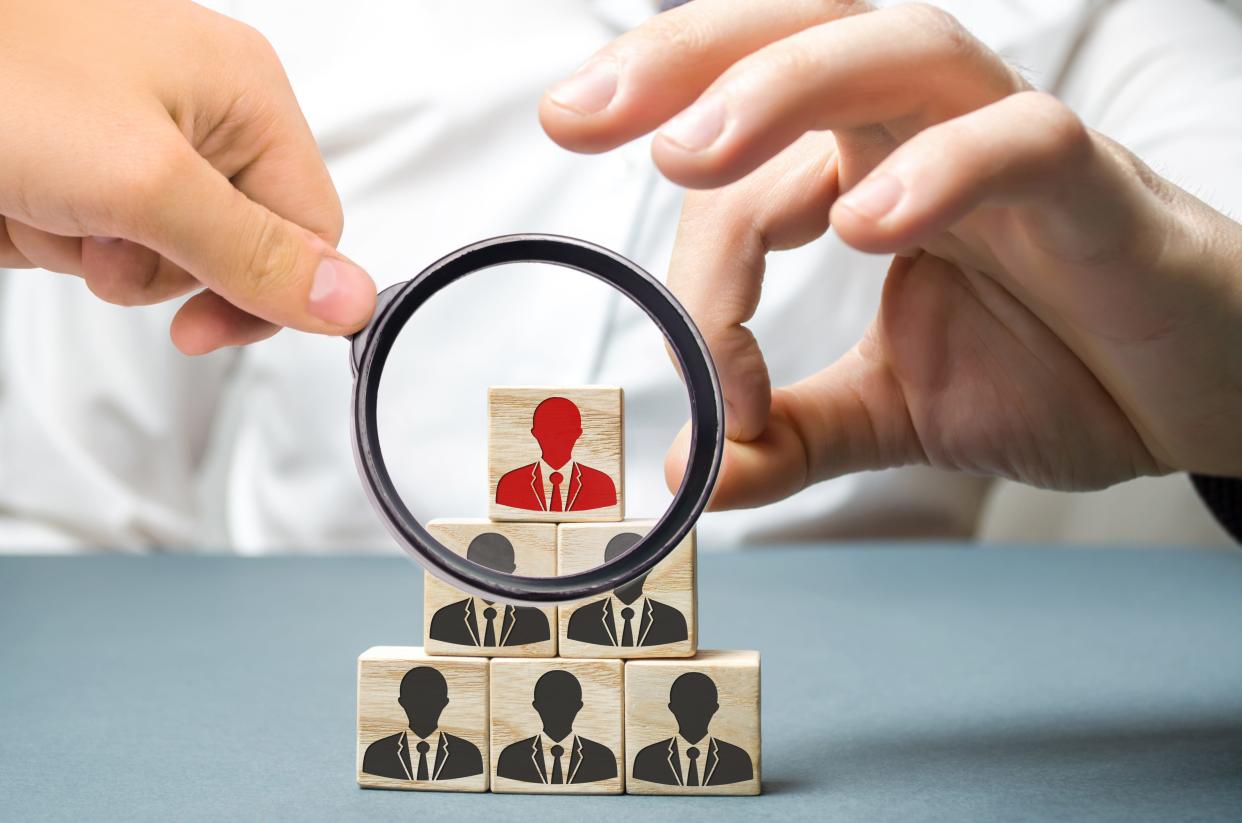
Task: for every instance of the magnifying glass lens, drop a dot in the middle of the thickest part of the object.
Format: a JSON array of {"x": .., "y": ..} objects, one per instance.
[{"x": 510, "y": 427}]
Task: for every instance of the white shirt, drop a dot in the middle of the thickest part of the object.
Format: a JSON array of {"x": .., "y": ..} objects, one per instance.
[
  {"x": 683, "y": 746},
  {"x": 567, "y": 747},
  {"x": 433, "y": 752},
  {"x": 567, "y": 476},
  {"x": 636, "y": 621},
  {"x": 425, "y": 113}
]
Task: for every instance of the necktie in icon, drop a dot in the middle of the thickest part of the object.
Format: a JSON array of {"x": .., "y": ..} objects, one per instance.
[
  {"x": 557, "y": 776},
  {"x": 489, "y": 633},
  {"x": 627, "y": 634},
  {"x": 423, "y": 747},
  {"x": 693, "y": 778},
  {"x": 555, "y": 505}
]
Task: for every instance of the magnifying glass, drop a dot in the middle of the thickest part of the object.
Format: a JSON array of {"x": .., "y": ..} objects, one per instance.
[{"x": 372, "y": 346}]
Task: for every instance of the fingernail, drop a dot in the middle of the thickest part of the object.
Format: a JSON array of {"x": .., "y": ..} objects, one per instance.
[
  {"x": 697, "y": 127},
  {"x": 874, "y": 197},
  {"x": 588, "y": 90},
  {"x": 341, "y": 293}
]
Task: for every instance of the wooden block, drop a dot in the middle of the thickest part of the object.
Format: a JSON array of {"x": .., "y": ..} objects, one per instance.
[
  {"x": 455, "y": 622},
  {"x": 567, "y": 440},
  {"x": 706, "y": 706},
  {"x": 540, "y": 706},
  {"x": 407, "y": 699},
  {"x": 661, "y": 607}
]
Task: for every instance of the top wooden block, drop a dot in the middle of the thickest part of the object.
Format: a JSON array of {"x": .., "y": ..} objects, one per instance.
[{"x": 554, "y": 454}]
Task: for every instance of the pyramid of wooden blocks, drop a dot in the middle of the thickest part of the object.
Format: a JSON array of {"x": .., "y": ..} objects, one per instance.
[{"x": 603, "y": 696}]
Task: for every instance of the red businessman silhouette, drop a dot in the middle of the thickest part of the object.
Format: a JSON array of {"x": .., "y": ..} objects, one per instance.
[{"x": 556, "y": 482}]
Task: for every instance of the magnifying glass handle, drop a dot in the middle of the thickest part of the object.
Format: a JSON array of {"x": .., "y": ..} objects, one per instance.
[{"x": 358, "y": 340}]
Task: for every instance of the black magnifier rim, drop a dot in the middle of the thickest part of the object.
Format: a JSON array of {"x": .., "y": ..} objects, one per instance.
[{"x": 699, "y": 374}]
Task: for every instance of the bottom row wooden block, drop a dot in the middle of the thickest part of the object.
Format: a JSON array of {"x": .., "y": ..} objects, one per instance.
[{"x": 558, "y": 725}]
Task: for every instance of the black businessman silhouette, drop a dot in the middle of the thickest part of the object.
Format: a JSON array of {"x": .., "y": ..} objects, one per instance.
[
  {"x": 423, "y": 752},
  {"x": 643, "y": 621},
  {"x": 556, "y": 755},
  {"x": 474, "y": 622},
  {"x": 691, "y": 757}
]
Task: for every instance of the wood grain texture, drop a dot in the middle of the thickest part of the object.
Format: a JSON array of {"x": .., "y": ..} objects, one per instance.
[
  {"x": 650, "y": 724},
  {"x": 380, "y": 671},
  {"x": 534, "y": 554},
  {"x": 514, "y": 718},
  {"x": 510, "y": 445},
  {"x": 672, "y": 584}
]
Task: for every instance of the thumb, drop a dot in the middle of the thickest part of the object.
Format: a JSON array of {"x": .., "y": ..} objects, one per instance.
[
  {"x": 849, "y": 417},
  {"x": 255, "y": 259}
]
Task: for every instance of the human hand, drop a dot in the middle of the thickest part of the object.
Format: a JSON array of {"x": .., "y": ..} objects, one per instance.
[
  {"x": 155, "y": 148},
  {"x": 1055, "y": 312}
]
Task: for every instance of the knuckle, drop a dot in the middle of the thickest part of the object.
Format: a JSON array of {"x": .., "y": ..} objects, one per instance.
[
  {"x": 127, "y": 279},
  {"x": 1064, "y": 132},
  {"x": 269, "y": 257},
  {"x": 779, "y": 65},
  {"x": 945, "y": 30},
  {"x": 116, "y": 294},
  {"x": 160, "y": 171},
  {"x": 126, "y": 289},
  {"x": 334, "y": 222},
  {"x": 254, "y": 42},
  {"x": 827, "y": 10},
  {"x": 682, "y": 34},
  {"x": 834, "y": 9}
]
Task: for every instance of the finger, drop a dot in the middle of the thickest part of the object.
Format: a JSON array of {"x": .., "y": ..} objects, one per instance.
[
  {"x": 262, "y": 263},
  {"x": 649, "y": 74},
  {"x": 1022, "y": 146},
  {"x": 46, "y": 250},
  {"x": 10, "y": 257},
  {"x": 266, "y": 148},
  {"x": 849, "y": 417},
  {"x": 910, "y": 65},
  {"x": 128, "y": 274},
  {"x": 271, "y": 157},
  {"x": 207, "y": 322},
  {"x": 717, "y": 265}
]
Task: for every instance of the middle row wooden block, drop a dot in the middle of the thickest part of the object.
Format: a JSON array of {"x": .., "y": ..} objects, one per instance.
[{"x": 654, "y": 616}]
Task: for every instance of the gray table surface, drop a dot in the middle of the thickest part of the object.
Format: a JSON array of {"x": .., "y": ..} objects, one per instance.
[{"x": 942, "y": 683}]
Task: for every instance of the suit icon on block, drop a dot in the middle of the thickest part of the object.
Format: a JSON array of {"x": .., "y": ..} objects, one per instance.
[
  {"x": 473, "y": 621},
  {"x": 556, "y": 482},
  {"x": 692, "y": 757},
  {"x": 557, "y": 755},
  {"x": 653, "y": 617},
  {"x": 422, "y": 752},
  {"x": 626, "y": 618}
]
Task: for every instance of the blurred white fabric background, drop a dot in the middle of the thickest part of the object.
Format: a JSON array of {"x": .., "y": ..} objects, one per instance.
[{"x": 426, "y": 115}]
